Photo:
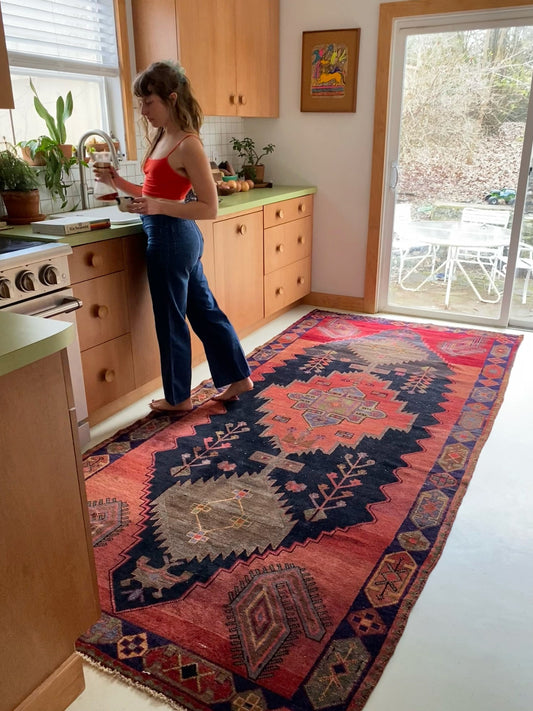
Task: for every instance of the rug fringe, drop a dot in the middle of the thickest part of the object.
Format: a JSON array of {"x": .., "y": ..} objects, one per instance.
[{"x": 157, "y": 695}]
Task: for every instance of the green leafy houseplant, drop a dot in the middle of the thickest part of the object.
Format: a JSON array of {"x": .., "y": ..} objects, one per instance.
[
  {"x": 18, "y": 187},
  {"x": 58, "y": 157},
  {"x": 245, "y": 148}
]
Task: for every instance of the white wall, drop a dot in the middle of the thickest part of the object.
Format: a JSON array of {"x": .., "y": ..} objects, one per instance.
[{"x": 330, "y": 150}]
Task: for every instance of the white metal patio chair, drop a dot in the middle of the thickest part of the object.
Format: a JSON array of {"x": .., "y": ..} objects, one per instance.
[
  {"x": 524, "y": 261},
  {"x": 411, "y": 251},
  {"x": 481, "y": 223}
]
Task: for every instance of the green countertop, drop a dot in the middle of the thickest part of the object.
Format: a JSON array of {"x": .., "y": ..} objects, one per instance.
[
  {"x": 26, "y": 339},
  {"x": 238, "y": 202}
]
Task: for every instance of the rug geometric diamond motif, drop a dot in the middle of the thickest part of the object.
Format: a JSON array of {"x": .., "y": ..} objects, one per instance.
[{"x": 207, "y": 518}]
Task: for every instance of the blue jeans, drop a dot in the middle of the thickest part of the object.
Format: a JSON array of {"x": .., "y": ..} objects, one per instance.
[{"x": 179, "y": 288}]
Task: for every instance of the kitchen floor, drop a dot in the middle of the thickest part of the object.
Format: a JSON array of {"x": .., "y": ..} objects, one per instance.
[{"x": 468, "y": 642}]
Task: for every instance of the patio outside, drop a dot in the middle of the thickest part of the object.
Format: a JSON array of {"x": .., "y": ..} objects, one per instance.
[{"x": 465, "y": 102}]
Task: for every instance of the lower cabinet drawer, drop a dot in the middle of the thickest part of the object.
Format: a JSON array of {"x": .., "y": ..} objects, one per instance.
[
  {"x": 89, "y": 261},
  {"x": 287, "y": 243},
  {"x": 107, "y": 372},
  {"x": 287, "y": 285},
  {"x": 104, "y": 314},
  {"x": 287, "y": 210}
]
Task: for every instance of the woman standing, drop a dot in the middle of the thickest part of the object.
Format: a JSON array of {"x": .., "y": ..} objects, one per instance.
[{"x": 175, "y": 162}]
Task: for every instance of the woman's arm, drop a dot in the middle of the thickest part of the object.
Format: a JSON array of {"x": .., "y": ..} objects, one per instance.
[{"x": 193, "y": 159}]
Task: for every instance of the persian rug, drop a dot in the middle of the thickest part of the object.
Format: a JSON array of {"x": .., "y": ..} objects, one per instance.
[{"x": 266, "y": 553}]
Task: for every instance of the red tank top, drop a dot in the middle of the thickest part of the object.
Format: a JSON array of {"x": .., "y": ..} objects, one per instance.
[{"x": 162, "y": 181}]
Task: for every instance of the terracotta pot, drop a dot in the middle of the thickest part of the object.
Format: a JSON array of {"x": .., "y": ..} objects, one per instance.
[
  {"x": 98, "y": 147},
  {"x": 67, "y": 149},
  {"x": 38, "y": 160},
  {"x": 254, "y": 172},
  {"x": 22, "y": 207}
]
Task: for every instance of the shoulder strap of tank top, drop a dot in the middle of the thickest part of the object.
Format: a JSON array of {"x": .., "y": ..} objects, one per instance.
[{"x": 189, "y": 135}]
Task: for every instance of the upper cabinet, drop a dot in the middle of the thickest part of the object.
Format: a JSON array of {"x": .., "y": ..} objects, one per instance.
[
  {"x": 230, "y": 51},
  {"x": 6, "y": 93},
  {"x": 154, "y": 31}
]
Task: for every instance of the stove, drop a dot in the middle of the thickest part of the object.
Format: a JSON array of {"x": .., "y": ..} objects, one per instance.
[
  {"x": 31, "y": 268},
  {"x": 35, "y": 281}
]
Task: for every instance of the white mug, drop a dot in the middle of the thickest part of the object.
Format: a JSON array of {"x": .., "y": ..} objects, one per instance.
[{"x": 123, "y": 202}]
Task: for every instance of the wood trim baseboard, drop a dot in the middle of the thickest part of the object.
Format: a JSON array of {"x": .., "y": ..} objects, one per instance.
[
  {"x": 59, "y": 690},
  {"x": 335, "y": 301}
]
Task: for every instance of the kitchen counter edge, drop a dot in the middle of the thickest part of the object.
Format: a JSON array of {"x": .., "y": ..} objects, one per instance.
[
  {"x": 27, "y": 339},
  {"x": 229, "y": 205}
]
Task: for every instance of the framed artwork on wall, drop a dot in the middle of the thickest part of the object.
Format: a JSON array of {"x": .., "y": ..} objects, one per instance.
[{"x": 329, "y": 70}]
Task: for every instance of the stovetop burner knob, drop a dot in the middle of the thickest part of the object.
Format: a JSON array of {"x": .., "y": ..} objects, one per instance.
[
  {"x": 49, "y": 275},
  {"x": 25, "y": 281},
  {"x": 5, "y": 288}
]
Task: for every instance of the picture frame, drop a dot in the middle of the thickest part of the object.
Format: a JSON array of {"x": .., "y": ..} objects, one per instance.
[{"x": 330, "y": 60}]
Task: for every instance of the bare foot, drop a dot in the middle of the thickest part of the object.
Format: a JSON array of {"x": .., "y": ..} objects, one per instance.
[
  {"x": 164, "y": 406},
  {"x": 235, "y": 389}
]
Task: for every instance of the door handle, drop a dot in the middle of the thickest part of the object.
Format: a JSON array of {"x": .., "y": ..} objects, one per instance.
[{"x": 394, "y": 175}]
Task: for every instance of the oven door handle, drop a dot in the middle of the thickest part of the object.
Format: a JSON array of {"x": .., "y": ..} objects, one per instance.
[{"x": 69, "y": 303}]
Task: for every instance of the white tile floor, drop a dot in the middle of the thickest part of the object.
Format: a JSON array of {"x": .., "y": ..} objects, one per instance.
[{"x": 468, "y": 644}]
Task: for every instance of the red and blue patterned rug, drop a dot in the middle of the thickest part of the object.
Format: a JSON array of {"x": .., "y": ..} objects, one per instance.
[{"x": 266, "y": 553}]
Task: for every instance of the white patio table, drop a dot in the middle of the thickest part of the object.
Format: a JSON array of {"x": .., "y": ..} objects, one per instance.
[{"x": 464, "y": 243}]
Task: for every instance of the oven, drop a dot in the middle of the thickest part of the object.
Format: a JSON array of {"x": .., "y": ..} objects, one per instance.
[{"x": 35, "y": 281}]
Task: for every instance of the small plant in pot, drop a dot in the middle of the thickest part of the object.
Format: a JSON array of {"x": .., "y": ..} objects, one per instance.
[
  {"x": 51, "y": 150},
  {"x": 252, "y": 168},
  {"x": 18, "y": 188}
]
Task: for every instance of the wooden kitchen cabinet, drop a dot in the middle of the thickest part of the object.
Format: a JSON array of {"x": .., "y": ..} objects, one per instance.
[
  {"x": 238, "y": 243},
  {"x": 145, "y": 350},
  {"x": 154, "y": 31},
  {"x": 101, "y": 279},
  {"x": 230, "y": 51},
  {"x": 48, "y": 583},
  {"x": 118, "y": 341},
  {"x": 287, "y": 252}
]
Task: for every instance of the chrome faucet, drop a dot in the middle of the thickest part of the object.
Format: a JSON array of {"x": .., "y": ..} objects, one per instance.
[{"x": 81, "y": 154}]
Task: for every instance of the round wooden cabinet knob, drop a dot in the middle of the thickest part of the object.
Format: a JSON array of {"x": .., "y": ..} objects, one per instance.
[
  {"x": 241, "y": 229},
  {"x": 280, "y": 248},
  {"x": 96, "y": 260},
  {"x": 242, "y": 99},
  {"x": 280, "y": 291},
  {"x": 302, "y": 207},
  {"x": 102, "y": 311},
  {"x": 300, "y": 281},
  {"x": 280, "y": 214},
  {"x": 109, "y": 376},
  {"x": 232, "y": 99},
  {"x": 301, "y": 239}
]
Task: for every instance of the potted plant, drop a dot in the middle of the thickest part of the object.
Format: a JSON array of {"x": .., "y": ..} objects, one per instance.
[
  {"x": 18, "y": 187},
  {"x": 252, "y": 167},
  {"x": 57, "y": 156}
]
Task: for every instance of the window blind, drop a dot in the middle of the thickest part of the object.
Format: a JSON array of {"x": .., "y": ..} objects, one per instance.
[{"x": 72, "y": 35}]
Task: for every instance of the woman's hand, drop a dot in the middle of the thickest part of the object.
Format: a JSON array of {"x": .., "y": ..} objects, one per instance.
[
  {"x": 145, "y": 206},
  {"x": 105, "y": 174}
]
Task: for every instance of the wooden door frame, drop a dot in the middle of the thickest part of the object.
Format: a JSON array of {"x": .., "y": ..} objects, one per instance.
[{"x": 388, "y": 13}]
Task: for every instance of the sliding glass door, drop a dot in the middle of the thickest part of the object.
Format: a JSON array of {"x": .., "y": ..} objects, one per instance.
[{"x": 457, "y": 227}]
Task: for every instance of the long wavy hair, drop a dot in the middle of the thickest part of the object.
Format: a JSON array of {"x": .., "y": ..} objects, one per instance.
[{"x": 163, "y": 79}]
